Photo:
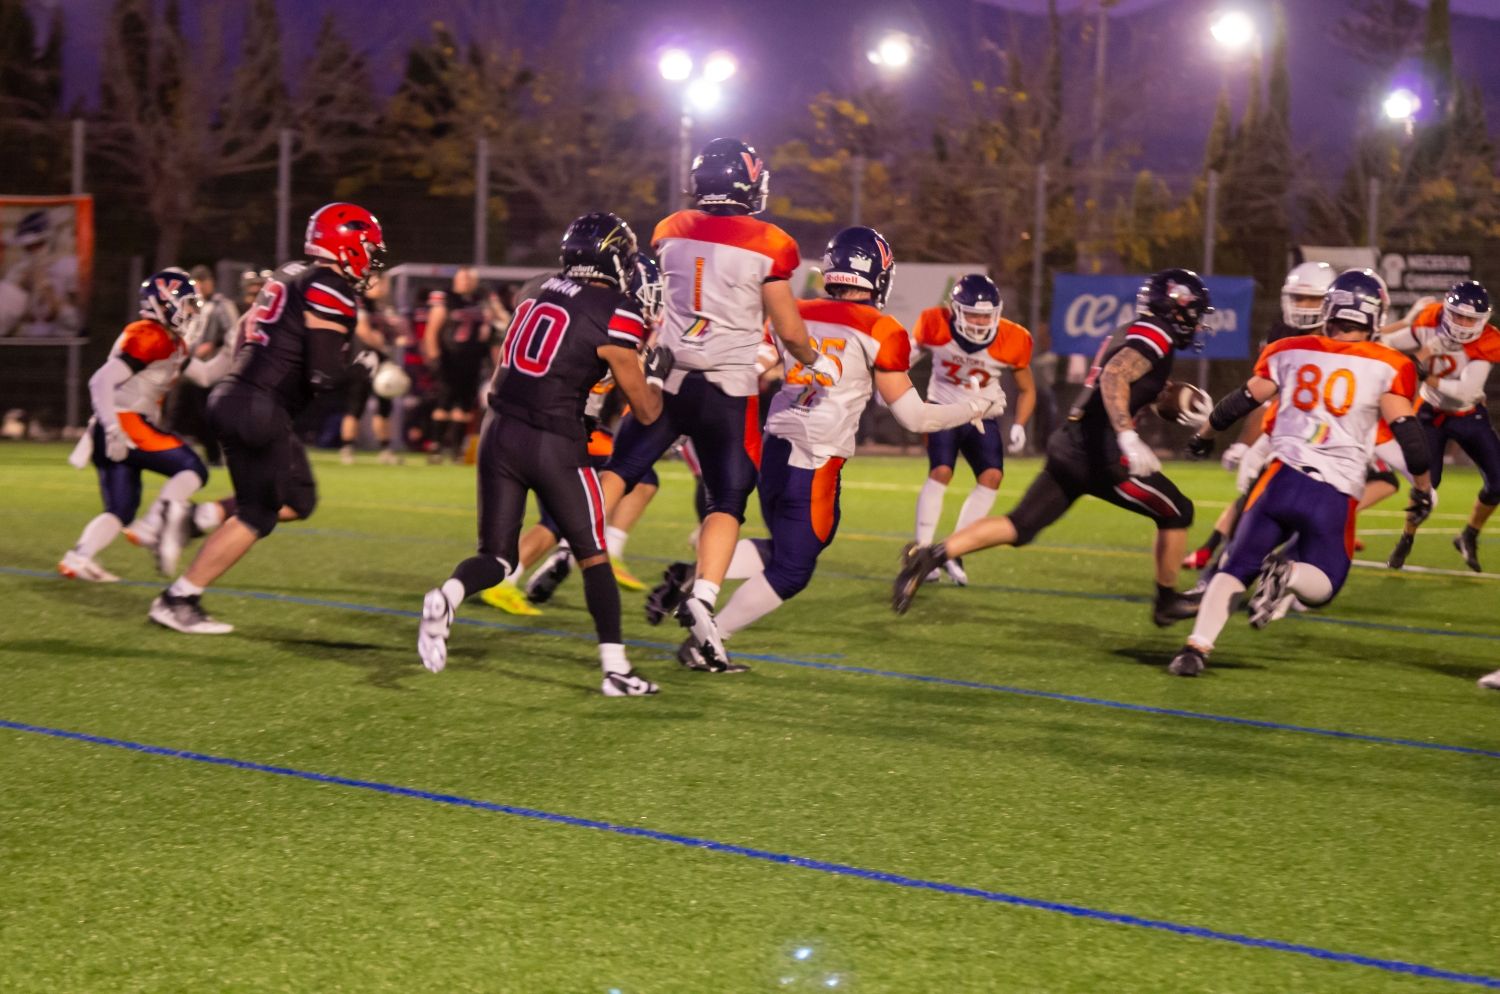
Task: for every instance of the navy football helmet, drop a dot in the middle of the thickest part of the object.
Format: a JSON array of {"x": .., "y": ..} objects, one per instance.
[
  {"x": 170, "y": 298},
  {"x": 975, "y": 304},
  {"x": 729, "y": 177},
  {"x": 600, "y": 246},
  {"x": 860, "y": 257},
  {"x": 1177, "y": 298},
  {"x": 646, "y": 284},
  {"x": 1358, "y": 300},
  {"x": 1466, "y": 310}
]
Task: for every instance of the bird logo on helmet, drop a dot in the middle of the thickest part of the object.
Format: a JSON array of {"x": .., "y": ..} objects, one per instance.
[
  {"x": 170, "y": 298},
  {"x": 1466, "y": 310},
  {"x": 1180, "y": 300},
  {"x": 1307, "y": 281},
  {"x": 860, "y": 257},
  {"x": 1358, "y": 300},
  {"x": 600, "y": 246},
  {"x": 975, "y": 304},
  {"x": 729, "y": 177},
  {"x": 348, "y": 236}
]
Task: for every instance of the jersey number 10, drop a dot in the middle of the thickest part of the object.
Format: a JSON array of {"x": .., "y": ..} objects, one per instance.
[{"x": 535, "y": 336}]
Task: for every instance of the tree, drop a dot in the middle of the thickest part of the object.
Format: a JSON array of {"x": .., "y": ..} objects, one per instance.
[
  {"x": 32, "y": 157},
  {"x": 1379, "y": 33}
]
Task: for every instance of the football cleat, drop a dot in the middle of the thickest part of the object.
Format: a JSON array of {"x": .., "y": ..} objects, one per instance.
[
  {"x": 1400, "y": 552},
  {"x": 549, "y": 576},
  {"x": 697, "y": 617},
  {"x": 1198, "y": 558},
  {"x": 676, "y": 584},
  {"x": 432, "y": 632},
  {"x": 1189, "y": 661},
  {"x": 144, "y": 532},
  {"x": 624, "y": 578},
  {"x": 955, "y": 568},
  {"x": 917, "y": 562},
  {"x": 389, "y": 457},
  {"x": 1467, "y": 544},
  {"x": 507, "y": 598},
  {"x": 176, "y": 527},
  {"x": 1271, "y": 599},
  {"x": 627, "y": 684},
  {"x": 1171, "y": 607},
  {"x": 692, "y": 658},
  {"x": 76, "y": 566},
  {"x": 346, "y": 455},
  {"x": 185, "y": 614},
  {"x": 1490, "y": 681}
]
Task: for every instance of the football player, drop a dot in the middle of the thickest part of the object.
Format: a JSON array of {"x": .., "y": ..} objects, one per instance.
[
  {"x": 1099, "y": 453},
  {"x": 294, "y": 345},
  {"x": 560, "y": 343},
  {"x": 726, "y": 272},
  {"x": 124, "y": 438},
  {"x": 376, "y": 331},
  {"x": 971, "y": 345},
  {"x": 811, "y": 430},
  {"x": 456, "y": 343},
  {"x": 1332, "y": 391},
  {"x": 1455, "y": 346}
]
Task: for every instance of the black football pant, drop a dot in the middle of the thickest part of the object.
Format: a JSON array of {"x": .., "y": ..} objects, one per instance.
[
  {"x": 516, "y": 458},
  {"x": 266, "y": 460}
]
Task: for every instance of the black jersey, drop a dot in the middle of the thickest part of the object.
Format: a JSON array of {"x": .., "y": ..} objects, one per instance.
[
  {"x": 463, "y": 336},
  {"x": 280, "y": 354},
  {"x": 1150, "y": 340},
  {"x": 550, "y": 360}
]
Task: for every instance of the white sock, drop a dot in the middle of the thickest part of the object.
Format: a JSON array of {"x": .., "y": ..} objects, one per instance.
[
  {"x": 929, "y": 509},
  {"x": 976, "y": 505},
  {"x": 746, "y": 561},
  {"x": 1310, "y": 584},
  {"x": 614, "y": 541},
  {"x": 1213, "y": 611},
  {"x": 612, "y": 658},
  {"x": 208, "y": 516},
  {"x": 454, "y": 591},
  {"x": 181, "y": 486},
  {"x": 183, "y": 587},
  {"x": 97, "y": 534},
  {"x": 754, "y": 600},
  {"x": 706, "y": 592}
]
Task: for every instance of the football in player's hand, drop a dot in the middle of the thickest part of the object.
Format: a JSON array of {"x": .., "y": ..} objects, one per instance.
[{"x": 1184, "y": 404}]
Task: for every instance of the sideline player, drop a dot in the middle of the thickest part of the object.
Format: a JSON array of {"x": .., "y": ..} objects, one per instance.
[
  {"x": 295, "y": 345},
  {"x": 811, "y": 430},
  {"x": 1098, "y": 452},
  {"x": 725, "y": 272},
  {"x": 1455, "y": 346},
  {"x": 1332, "y": 391},
  {"x": 456, "y": 343},
  {"x": 123, "y": 439},
  {"x": 971, "y": 345},
  {"x": 561, "y": 342}
]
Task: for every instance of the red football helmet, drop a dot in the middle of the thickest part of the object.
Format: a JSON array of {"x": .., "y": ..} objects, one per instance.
[{"x": 348, "y": 236}]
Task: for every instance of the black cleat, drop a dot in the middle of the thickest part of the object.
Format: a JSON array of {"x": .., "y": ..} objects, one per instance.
[
  {"x": 545, "y": 581},
  {"x": 1172, "y": 607},
  {"x": 1188, "y": 662},
  {"x": 676, "y": 583},
  {"x": 691, "y": 657},
  {"x": 1467, "y": 544},
  {"x": 1400, "y": 552},
  {"x": 917, "y": 561}
]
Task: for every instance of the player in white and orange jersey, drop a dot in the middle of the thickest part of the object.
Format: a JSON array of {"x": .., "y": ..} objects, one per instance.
[{"x": 1332, "y": 392}]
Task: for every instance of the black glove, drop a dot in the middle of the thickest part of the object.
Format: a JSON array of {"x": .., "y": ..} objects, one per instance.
[
  {"x": 658, "y": 364},
  {"x": 1200, "y": 447},
  {"x": 1420, "y": 507}
]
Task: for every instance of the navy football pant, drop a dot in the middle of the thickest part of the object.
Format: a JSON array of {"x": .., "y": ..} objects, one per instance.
[
  {"x": 981, "y": 452},
  {"x": 1289, "y": 504},
  {"x": 120, "y": 482},
  {"x": 801, "y": 510},
  {"x": 1474, "y": 434}
]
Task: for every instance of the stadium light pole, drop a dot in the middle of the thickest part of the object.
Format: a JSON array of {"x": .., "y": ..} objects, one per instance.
[
  {"x": 1096, "y": 147},
  {"x": 892, "y": 56},
  {"x": 699, "y": 95}
]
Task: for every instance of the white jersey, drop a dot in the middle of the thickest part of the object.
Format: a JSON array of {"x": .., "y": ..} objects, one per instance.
[
  {"x": 821, "y": 421},
  {"x": 1461, "y": 369},
  {"x": 157, "y": 356},
  {"x": 958, "y": 373},
  {"x": 1328, "y": 404},
  {"x": 713, "y": 267}
]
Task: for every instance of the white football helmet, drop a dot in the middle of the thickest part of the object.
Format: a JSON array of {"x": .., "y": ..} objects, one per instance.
[{"x": 1302, "y": 295}]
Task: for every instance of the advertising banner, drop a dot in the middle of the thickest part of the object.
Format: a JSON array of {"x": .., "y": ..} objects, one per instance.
[
  {"x": 46, "y": 262},
  {"x": 1087, "y": 309}
]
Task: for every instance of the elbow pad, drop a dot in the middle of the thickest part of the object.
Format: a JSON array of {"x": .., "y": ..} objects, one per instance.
[
  {"x": 1232, "y": 408},
  {"x": 1413, "y": 442}
]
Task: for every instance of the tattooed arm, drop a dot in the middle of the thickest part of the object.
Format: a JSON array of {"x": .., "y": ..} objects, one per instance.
[{"x": 1125, "y": 368}]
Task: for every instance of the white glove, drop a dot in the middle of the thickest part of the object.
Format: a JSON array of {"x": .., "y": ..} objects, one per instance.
[
  {"x": 827, "y": 370},
  {"x": 117, "y": 444},
  {"x": 369, "y": 359},
  {"x": 1017, "y": 439},
  {"x": 1138, "y": 455},
  {"x": 1230, "y": 460}
]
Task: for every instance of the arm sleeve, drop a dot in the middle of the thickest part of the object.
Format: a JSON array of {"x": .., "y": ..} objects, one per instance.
[
  {"x": 327, "y": 358},
  {"x": 1468, "y": 389},
  {"x": 207, "y": 372},
  {"x": 102, "y": 385},
  {"x": 1413, "y": 441},
  {"x": 1403, "y": 341},
  {"x": 914, "y": 415}
]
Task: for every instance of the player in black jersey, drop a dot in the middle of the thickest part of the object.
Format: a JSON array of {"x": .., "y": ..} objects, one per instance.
[
  {"x": 1098, "y": 451},
  {"x": 456, "y": 344},
  {"x": 295, "y": 345},
  {"x": 581, "y": 324}
]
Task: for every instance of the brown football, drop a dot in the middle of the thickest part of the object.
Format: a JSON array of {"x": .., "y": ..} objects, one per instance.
[{"x": 1183, "y": 403}]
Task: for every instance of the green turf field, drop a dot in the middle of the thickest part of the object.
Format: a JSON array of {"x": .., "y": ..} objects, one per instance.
[{"x": 957, "y": 799}]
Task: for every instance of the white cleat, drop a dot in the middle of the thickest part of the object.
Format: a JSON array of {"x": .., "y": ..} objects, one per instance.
[
  {"x": 955, "y": 569},
  {"x": 176, "y": 527},
  {"x": 432, "y": 635},
  {"x": 698, "y": 618},
  {"x": 1271, "y": 600},
  {"x": 934, "y": 576},
  {"x": 186, "y": 615},
  {"x": 627, "y": 684},
  {"x": 76, "y": 566},
  {"x": 144, "y": 532},
  {"x": 1490, "y": 681}
]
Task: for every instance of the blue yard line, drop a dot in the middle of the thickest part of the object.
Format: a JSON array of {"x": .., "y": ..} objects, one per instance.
[
  {"x": 786, "y": 859},
  {"x": 815, "y": 664}
]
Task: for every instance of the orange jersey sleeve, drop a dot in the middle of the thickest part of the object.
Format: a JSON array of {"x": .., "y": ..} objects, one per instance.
[
  {"x": 1012, "y": 345},
  {"x": 1486, "y": 347},
  {"x": 1428, "y": 317},
  {"x": 147, "y": 342},
  {"x": 895, "y": 345},
  {"x": 740, "y": 231},
  {"x": 932, "y": 327}
]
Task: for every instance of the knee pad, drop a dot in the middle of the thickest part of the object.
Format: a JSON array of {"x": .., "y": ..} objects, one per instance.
[
  {"x": 732, "y": 504},
  {"x": 1489, "y": 498},
  {"x": 260, "y": 520},
  {"x": 789, "y": 579},
  {"x": 1183, "y": 519},
  {"x": 303, "y": 500},
  {"x": 1383, "y": 476},
  {"x": 650, "y": 479}
]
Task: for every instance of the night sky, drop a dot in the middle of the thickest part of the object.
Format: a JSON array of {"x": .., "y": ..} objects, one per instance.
[{"x": 790, "y": 49}]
